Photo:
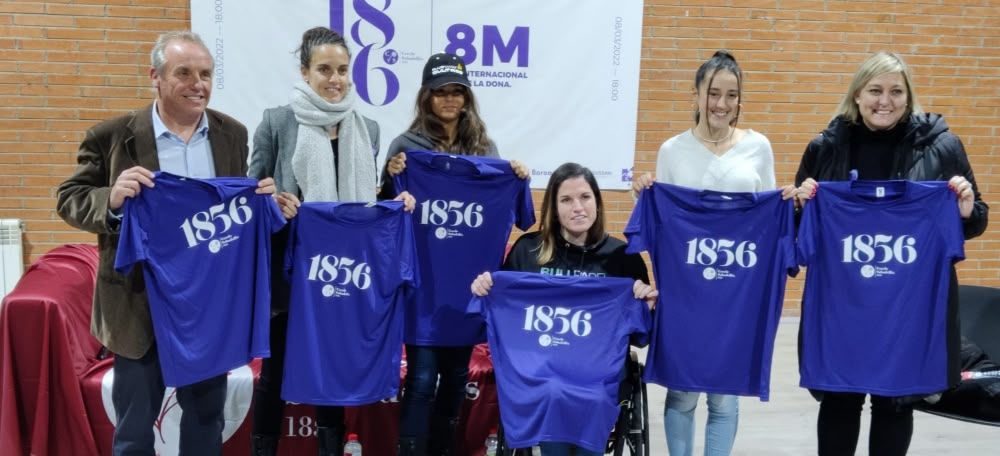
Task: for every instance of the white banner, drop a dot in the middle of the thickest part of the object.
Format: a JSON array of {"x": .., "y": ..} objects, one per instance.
[{"x": 556, "y": 80}]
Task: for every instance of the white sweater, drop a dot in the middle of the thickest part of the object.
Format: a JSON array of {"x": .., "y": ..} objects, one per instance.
[{"x": 746, "y": 167}]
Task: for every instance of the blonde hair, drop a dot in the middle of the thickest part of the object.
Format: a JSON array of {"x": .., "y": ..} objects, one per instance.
[{"x": 877, "y": 65}]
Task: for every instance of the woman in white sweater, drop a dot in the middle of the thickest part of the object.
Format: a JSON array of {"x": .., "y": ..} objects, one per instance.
[{"x": 712, "y": 155}]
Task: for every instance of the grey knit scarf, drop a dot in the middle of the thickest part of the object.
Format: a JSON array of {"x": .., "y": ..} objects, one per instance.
[{"x": 312, "y": 162}]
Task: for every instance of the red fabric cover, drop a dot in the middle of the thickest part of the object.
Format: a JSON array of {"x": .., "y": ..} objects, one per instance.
[
  {"x": 481, "y": 411},
  {"x": 45, "y": 347},
  {"x": 50, "y": 385},
  {"x": 377, "y": 425},
  {"x": 100, "y": 425}
]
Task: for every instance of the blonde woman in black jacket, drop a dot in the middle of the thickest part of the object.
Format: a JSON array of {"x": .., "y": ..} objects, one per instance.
[{"x": 881, "y": 133}]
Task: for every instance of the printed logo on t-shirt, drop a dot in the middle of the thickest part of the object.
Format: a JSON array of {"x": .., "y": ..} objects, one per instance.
[
  {"x": 884, "y": 250},
  {"x": 338, "y": 273},
  {"x": 210, "y": 225},
  {"x": 451, "y": 217},
  {"x": 720, "y": 255},
  {"x": 556, "y": 323}
]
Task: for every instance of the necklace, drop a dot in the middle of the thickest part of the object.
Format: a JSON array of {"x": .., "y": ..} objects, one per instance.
[{"x": 699, "y": 138}]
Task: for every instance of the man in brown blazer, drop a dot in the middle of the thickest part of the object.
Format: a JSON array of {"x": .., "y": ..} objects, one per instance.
[{"x": 177, "y": 134}]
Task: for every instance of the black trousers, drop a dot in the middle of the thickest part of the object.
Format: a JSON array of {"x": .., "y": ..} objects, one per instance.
[
  {"x": 268, "y": 406},
  {"x": 137, "y": 397},
  {"x": 840, "y": 422}
]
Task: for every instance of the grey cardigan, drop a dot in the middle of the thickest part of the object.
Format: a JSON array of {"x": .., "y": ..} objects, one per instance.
[{"x": 274, "y": 144}]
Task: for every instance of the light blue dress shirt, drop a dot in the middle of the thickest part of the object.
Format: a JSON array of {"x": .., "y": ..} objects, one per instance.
[{"x": 189, "y": 159}]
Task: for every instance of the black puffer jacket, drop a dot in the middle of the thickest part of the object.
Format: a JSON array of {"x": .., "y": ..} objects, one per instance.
[
  {"x": 604, "y": 258},
  {"x": 928, "y": 151}
]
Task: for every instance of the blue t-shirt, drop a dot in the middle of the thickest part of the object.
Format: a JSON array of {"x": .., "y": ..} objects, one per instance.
[
  {"x": 466, "y": 207},
  {"x": 205, "y": 247},
  {"x": 879, "y": 257},
  {"x": 350, "y": 266},
  {"x": 558, "y": 345},
  {"x": 721, "y": 261}
]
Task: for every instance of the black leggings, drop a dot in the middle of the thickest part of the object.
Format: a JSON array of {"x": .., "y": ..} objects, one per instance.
[
  {"x": 268, "y": 407},
  {"x": 840, "y": 422}
]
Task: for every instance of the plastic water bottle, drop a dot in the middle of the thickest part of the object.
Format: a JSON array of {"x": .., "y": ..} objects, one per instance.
[
  {"x": 491, "y": 443},
  {"x": 353, "y": 446}
]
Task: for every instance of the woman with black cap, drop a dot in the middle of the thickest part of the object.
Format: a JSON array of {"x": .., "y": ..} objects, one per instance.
[{"x": 447, "y": 121}]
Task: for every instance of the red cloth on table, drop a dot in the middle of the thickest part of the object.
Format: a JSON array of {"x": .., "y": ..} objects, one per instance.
[
  {"x": 377, "y": 425},
  {"x": 45, "y": 347},
  {"x": 51, "y": 400},
  {"x": 480, "y": 411}
]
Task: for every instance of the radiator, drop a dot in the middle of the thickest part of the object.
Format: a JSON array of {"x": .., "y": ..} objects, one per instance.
[{"x": 11, "y": 254}]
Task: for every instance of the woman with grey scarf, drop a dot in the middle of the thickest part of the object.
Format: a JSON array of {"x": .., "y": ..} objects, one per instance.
[{"x": 317, "y": 148}]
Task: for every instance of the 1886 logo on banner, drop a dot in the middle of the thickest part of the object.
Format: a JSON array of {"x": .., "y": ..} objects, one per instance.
[
  {"x": 364, "y": 64},
  {"x": 487, "y": 46}
]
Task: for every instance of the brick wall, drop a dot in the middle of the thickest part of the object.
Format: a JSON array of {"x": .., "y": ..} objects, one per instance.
[
  {"x": 798, "y": 56},
  {"x": 64, "y": 65}
]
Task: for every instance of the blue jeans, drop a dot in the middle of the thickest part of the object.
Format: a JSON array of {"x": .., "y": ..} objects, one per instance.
[
  {"x": 137, "y": 396},
  {"x": 720, "y": 431},
  {"x": 563, "y": 449},
  {"x": 430, "y": 406}
]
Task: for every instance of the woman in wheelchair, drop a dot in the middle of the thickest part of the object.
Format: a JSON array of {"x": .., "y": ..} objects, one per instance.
[{"x": 572, "y": 240}]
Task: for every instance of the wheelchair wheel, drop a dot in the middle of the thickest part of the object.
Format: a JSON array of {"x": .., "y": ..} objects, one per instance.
[
  {"x": 642, "y": 424},
  {"x": 632, "y": 429}
]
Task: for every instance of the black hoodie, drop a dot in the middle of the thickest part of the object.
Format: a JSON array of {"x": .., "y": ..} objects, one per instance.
[{"x": 607, "y": 258}]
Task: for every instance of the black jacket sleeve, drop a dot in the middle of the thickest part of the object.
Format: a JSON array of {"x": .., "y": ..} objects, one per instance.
[
  {"x": 954, "y": 162},
  {"x": 635, "y": 267}
]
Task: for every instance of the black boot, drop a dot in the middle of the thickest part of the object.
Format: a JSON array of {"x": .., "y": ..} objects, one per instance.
[
  {"x": 263, "y": 445},
  {"x": 409, "y": 446},
  {"x": 442, "y": 435},
  {"x": 331, "y": 440}
]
